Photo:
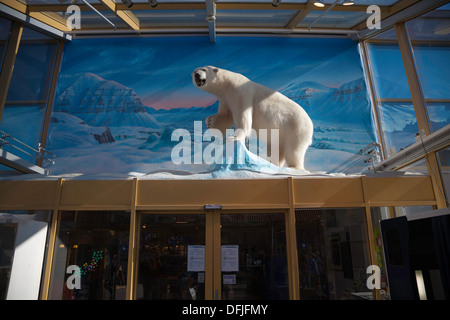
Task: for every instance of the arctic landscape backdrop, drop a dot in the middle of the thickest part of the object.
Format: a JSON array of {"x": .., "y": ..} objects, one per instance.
[{"x": 119, "y": 100}]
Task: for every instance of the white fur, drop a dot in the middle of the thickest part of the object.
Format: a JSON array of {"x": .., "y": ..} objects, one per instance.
[{"x": 248, "y": 105}]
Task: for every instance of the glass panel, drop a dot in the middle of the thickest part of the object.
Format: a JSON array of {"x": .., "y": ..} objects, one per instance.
[
  {"x": 399, "y": 124},
  {"x": 28, "y": 92},
  {"x": 388, "y": 71},
  {"x": 94, "y": 246},
  {"x": 410, "y": 211},
  {"x": 434, "y": 25},
  {"x": 430, "y": 40},
  {"x": 439, "y": 114},
  {"x": 171, "y": 257},
  {"x": 444, "y": 162},
  {"x": 379, "y": 214},
  {"x": 395, "y": 109},
  {"x": 434, "y": 70},
  {"x": 252, "y": 18},
  {"x": 5, "y": 28},
  {"x": 332, "y": 254},
  {"x": 254, "y": 261},
  {"x": 419, "y": 166},
  {"x": 334, "y": 19},
  {"x": 22, "y": 261},
  {"x": 92, "y": 20},
  {"x": 170, "y": 18}
]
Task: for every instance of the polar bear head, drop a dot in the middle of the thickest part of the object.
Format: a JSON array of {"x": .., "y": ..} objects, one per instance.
[{"x": 205, "y": 77}]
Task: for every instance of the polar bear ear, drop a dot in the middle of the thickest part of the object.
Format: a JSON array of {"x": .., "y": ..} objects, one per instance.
[{"x": 216, "y": 70}]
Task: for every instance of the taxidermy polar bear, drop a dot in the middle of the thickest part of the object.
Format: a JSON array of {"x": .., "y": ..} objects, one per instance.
[{"x": 249, "y": 105}]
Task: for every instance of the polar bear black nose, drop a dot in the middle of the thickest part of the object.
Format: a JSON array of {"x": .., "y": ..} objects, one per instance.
[{"x": 197, "y": 76}]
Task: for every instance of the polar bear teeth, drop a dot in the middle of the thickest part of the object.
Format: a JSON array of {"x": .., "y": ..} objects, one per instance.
[{"x": 200, "y": 82}]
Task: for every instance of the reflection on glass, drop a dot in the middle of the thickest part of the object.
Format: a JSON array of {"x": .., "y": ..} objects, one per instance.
[
  {"x": 28, "y": 91},
  {"x": 439, "y": 114},
  {"x": 410, "y": 211},
  {"x": 379, "y": 214},
  {"x": 431, "y": 26},
  {"x": 388, "y": 71},
  {"x": 399, "y": 125},
  {"x": 96, "y": 243},
  {"x": 254, "y": 261},
  {"x": 444, "y": 162},
  {"x": 332, "y": 254},
  {"x": 171, "y": 262},
  {"x": 19, "y": 258},
  {"x": 419, "y": 166},
  {"x": 430, "y": 40},
  {"x": 5, "y": 27},
  {"x": 432, "y": 63},
  {"x": 396, "y": 113}
]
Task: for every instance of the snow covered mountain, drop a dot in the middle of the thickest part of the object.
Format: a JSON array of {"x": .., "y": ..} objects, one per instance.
[
  {"x": 348, "y": 104},
  {"x": 101, "y": 102},
  {"x": 183, "y": 118}
]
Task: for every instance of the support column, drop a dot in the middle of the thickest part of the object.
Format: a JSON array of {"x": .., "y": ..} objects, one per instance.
[
  {"x": 291, "y": 240},
  {"x": 51, "y": 242},
  {"x": 133, "y": 245},
  {"x": 51, "y": 98},
  {"x": 420, "y": 108}
]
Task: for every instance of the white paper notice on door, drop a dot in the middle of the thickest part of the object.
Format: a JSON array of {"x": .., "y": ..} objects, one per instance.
[
  {"x": 196, "y": 258},
  {"x": 230, "y": 258}
]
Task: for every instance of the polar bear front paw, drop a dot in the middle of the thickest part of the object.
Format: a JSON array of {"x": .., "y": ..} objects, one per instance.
[{"x": 209, "y": 121}]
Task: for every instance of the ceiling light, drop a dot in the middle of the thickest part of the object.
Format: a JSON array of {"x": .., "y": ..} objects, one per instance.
[
  {"x": 153, "y": 3},
  {"x": 128, "y": 3},
  {"x": 319, "y": 3},
  {"x": 275, "y": 3},
  {"x": 348, "y": 3}
]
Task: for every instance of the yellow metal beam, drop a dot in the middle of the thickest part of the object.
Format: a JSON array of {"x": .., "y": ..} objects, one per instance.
[
  {"x": 185, "y": 5},
  {"x": 133, "y": 245},
  {"x": 52, "y": 19},
  {"x": 291, "y": 241},
  {"x": 301, "y": 15},
  {"x": 49, "y": 18},
  {"x": 61, "y": 7},
  {"x": 8, "y": 63},
  {"x": 126, "y": 15}
]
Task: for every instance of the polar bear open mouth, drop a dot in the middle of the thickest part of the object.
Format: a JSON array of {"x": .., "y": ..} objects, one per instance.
[
  {"x": 199, "y": 78},
  {"x": 200, "y": 82}
]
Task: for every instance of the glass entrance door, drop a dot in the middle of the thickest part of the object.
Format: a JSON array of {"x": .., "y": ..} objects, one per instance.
[
  {"x": 253, "y": 256},
  {"x": 213, "y": 255},
  {"x": 171, "y": 261}
]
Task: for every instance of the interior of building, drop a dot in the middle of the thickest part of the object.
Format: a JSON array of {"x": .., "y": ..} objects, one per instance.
[{"x": 123, "y": 175}]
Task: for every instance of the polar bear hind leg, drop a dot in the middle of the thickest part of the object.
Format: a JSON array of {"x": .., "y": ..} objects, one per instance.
[
  {"x": 296, "y": 158},
  {"x": 295, "y": 150}
]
